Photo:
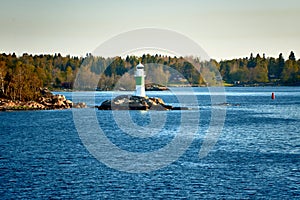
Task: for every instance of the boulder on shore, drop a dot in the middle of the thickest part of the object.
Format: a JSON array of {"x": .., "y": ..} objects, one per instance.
[
  {"x": 58, "y": 101},
  {"x": 128, "y": 102}
]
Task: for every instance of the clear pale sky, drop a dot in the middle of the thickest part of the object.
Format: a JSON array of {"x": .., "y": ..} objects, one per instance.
[{"x": 223, "y": 28}]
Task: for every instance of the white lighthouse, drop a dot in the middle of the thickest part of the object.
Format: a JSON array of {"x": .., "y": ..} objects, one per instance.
[{"x": 140, "y": 81}]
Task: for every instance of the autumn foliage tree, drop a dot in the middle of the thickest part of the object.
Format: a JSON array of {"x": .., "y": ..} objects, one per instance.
[{"x": 291, "y": 70}]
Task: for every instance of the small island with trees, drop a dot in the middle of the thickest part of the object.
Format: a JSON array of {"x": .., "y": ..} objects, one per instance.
[{"x": 23, "y": 79}]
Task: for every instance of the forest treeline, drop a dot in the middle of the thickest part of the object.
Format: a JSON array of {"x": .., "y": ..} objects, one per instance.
[{"x": 21, "y": 77}]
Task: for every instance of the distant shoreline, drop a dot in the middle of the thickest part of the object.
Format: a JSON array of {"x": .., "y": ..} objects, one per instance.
[{"x": 184, "y": 86}]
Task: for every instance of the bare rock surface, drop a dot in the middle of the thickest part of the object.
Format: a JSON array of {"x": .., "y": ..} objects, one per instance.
[{"x": 128, "y": 102}]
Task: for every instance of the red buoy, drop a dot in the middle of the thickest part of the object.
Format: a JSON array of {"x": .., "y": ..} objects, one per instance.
[{"x": 273, "y": 95}]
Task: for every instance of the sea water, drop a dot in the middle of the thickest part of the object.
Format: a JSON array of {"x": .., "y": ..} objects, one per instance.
[{"x": 256, "y": 155}]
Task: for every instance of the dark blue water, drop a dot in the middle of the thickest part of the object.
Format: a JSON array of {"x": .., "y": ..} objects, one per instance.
[{"x": 256, "y": 156}]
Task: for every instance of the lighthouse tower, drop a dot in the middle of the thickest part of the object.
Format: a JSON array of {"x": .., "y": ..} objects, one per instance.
[{"x": 140, "y": 81}]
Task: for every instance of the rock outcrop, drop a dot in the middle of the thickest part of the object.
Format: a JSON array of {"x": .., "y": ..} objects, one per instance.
[
  {"x": 127, "y": 102},
  {"x": 47, "y": 101},
  {"x": 57, "y": 101}
]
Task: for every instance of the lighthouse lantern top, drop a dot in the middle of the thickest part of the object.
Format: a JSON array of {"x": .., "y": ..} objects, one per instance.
[{"x": 140, "y": 66}]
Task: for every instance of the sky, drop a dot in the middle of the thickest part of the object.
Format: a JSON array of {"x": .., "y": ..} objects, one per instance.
[{"x": 225, "y": 29}]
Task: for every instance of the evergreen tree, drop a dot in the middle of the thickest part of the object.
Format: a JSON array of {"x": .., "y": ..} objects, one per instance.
[
  {"x": 280, "y": 62},
  {"x": 292, "y": 56}
]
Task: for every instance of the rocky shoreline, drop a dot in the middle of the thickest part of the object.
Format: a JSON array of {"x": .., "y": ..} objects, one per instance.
[
  {"x": 47, "y": 101},
  {"x": 155, "y": 87},
  {"x": 128, "y": 102}
]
